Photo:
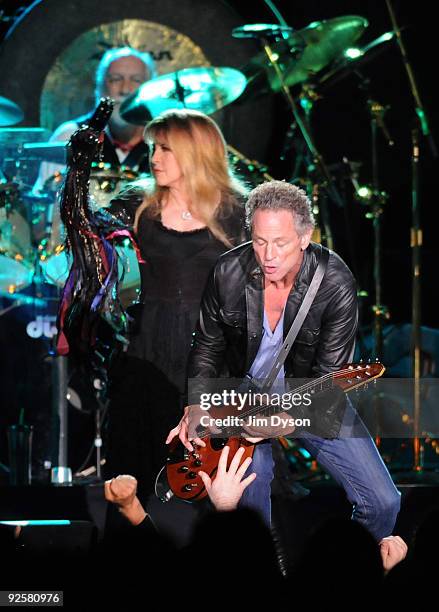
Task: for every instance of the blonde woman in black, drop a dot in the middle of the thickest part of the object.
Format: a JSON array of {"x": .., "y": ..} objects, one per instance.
[{"x": 189, "y": 213}]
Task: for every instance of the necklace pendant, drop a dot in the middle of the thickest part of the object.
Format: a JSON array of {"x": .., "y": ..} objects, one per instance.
[{"x": 186, "y": 215}]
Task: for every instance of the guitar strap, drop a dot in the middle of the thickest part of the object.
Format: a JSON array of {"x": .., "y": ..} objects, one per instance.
[{"x": 297, "y": 323}]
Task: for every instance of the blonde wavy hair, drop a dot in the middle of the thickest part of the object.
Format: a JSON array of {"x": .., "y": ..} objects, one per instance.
[{"x": 201, "y": 152}]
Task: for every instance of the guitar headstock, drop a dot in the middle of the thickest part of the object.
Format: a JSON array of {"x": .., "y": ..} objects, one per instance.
[{"x": 354, "y": 375}]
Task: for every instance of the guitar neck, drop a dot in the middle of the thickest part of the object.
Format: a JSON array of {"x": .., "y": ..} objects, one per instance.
[{"x": 348, "y": 378}]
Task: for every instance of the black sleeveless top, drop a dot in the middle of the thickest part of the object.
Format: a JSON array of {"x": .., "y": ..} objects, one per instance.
[{"x": 173, "y": 277}]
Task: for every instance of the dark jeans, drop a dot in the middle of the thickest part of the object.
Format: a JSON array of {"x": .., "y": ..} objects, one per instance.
[{"x": 353, "y": 461}]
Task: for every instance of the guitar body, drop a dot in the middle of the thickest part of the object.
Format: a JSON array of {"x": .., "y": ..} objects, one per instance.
[{"x": 182, "y": 466}]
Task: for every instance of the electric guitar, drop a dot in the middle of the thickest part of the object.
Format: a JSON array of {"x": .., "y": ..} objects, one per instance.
[{"x": 179, "y": 476}]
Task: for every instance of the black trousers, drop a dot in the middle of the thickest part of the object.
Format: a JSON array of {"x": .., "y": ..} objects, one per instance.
[{"x": 144, "y": 406}]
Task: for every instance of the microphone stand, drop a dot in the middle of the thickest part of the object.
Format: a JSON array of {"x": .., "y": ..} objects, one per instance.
[
  {"x": 61, "y": 474},
  {"x": 416, "y": 245},
  {"x": 377, "y": 201},
  {"x": 327, "y": 181},
  {"x": 421, "y": 125},
  {"x": 304, "y": 167}
]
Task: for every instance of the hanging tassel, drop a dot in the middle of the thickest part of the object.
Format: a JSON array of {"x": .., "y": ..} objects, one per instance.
[{"x": 89, "y": 307}]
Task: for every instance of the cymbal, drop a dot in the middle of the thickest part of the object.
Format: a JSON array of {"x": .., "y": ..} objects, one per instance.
[
  {"x": 54, "y": 152},
  {"x": 206, "y": 89},
  {"x": 354, "y": 60},
  {"x": 10, "y": 113},
  {"x": 305, "y": 52}
]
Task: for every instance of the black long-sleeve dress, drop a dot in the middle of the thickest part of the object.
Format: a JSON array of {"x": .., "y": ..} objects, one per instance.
[{"x": 148, "y": 381}]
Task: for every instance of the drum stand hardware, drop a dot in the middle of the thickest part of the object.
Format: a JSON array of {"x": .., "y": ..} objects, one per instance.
[
  {"x": 377, "y": 202},
  {"x": 60, "y": 474},
  {"x": 94, "y": 472}
]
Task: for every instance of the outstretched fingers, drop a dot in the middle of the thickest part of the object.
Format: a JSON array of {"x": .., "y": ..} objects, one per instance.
[{"x": 247, "y": 481}]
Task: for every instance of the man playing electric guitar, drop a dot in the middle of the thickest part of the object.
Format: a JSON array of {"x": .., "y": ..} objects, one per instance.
[{"x": 249, "y": 304}]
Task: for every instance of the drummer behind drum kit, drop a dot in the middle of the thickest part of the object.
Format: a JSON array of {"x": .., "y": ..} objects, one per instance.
[{"x": 31, "y": 242}]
